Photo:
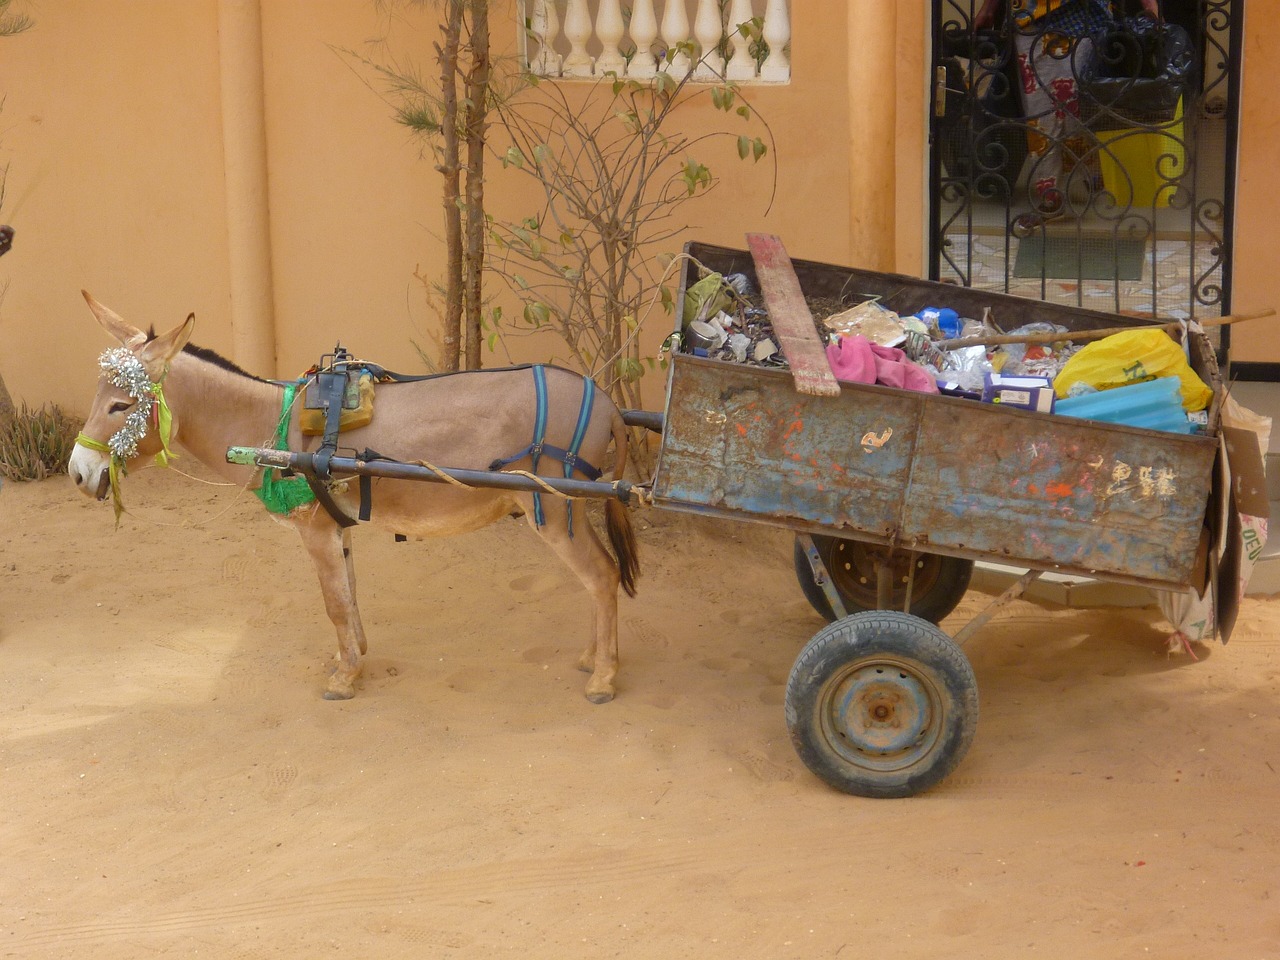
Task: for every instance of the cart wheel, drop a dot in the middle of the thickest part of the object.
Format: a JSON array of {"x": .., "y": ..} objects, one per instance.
[
  {"x": 940, "y": 582},
  {"x": 881, "y": 704}
]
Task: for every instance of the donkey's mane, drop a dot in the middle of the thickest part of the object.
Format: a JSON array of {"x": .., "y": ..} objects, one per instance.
[{"x": 218, "y": 360}]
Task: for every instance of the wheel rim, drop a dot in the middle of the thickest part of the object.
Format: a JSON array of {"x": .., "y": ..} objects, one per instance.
[
  {"x": 881, "y": 714},
  {"x": 853, "y": 572}
]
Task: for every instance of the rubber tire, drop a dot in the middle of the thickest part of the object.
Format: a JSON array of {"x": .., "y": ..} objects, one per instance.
[
  {"x": 912, "y": 680},
  {"x": 940, "y": 582}
]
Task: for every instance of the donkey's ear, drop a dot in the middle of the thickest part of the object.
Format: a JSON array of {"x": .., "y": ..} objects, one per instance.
[
  {"x": 160, "y": 350},
  {"x": 125, "y": 332}
]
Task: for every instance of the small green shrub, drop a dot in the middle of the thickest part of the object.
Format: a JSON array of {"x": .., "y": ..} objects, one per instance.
[{"x": 36, "y": 444}]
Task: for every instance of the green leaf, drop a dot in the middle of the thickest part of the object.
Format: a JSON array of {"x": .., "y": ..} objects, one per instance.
[
  {"x": 537, "y": 313},
  {"x": 744, "y": 147},
  {"x": 514, "y": 157},
  {"x": 758, "y": 149}
]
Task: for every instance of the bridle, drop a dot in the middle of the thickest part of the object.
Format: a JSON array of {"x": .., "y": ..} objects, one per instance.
[{"x": 122, "y": 368}]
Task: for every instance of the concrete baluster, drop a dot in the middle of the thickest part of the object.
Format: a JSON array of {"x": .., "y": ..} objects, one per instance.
[
  {"x": 609, "y": 29},
  {"x": 577, "y": 30},
  {"x": 544, "y": 24},
  {"x": 709, "y": 30},
  {"x": 644, "y": 30},
  {"x": 741, "y": 65},
  {"x": 675, "y": 30},
  {"x": 777, "y": 33}
]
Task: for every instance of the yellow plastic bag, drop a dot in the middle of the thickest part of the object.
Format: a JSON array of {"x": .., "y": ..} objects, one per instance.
[{"x": 1132, "y": 357}]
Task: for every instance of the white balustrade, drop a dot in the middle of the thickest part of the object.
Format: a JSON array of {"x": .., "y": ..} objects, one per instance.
[{"x": 596, "y": 37}]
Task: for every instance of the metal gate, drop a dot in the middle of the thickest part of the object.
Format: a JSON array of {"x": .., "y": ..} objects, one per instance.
[{"x": 1086, "y": 154}]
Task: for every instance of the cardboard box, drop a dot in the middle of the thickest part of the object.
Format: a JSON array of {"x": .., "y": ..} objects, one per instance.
[{"x": 1025, "y": 393}]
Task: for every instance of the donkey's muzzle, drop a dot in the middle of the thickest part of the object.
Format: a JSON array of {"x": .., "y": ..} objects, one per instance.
[{"x": 93, "y": 481}]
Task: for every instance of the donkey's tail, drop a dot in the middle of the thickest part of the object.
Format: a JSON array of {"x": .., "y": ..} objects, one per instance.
[{"x": 617, "y": 520}]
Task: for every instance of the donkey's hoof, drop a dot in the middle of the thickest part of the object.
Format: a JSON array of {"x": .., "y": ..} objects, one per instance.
[
  {"x": 600, "y": 696},
  {"x": 340, "y": 687}
]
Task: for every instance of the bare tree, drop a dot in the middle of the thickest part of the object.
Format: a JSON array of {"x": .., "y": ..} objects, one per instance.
[
  {"x": 613, "y": 172},
  {"x": 453, "y": 120}
]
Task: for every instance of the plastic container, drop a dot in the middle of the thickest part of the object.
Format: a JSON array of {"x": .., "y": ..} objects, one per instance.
[
  {"x": 944, "y": 318},
  {"x": 1153, "y": 405}
]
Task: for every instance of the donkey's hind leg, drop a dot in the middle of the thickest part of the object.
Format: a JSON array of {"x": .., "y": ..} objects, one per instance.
[
  {"x": 587, "y": 557},
  {"x": 330, "y": 550}
]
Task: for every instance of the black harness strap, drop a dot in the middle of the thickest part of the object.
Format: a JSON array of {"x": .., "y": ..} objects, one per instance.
[{"x": 332, "y": 387}]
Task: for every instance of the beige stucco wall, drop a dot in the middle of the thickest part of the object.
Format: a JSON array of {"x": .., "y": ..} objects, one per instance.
[{"x": 113, "y": 128}]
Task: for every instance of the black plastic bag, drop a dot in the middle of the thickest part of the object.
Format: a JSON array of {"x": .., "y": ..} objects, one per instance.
[{"x": 1136, "y": 73}]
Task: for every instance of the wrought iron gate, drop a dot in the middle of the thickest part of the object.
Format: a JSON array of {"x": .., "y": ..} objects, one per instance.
[{"x": 1086, "y": 160}]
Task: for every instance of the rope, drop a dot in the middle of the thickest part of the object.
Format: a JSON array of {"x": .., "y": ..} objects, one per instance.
[
  {"x": 510, "y": 473},
  {"x": 642, "y": 495}
]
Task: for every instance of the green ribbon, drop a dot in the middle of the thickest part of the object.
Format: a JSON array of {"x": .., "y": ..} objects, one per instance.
[{"x": 117, "y": 470}]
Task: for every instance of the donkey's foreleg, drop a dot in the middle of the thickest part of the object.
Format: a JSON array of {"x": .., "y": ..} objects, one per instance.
[
  {"x": 351, "y": 585},
  {"x": 586, "y": 556},
  {"x": 330, "y": 551}
]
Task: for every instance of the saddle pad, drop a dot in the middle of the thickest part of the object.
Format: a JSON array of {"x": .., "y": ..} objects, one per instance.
[{"x": 311, "y": 419}]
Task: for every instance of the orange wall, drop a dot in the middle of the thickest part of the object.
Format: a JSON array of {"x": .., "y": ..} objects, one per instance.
[
  {"x": 1256, "y": 279},
  {"x": 112, "y": 128},
  {"x": 114, "y": 182}
]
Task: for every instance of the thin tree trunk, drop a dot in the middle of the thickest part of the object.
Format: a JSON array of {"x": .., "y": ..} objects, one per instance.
[
  {"x": 450, "y": 167},
  {"x": 476, "y": 226}
]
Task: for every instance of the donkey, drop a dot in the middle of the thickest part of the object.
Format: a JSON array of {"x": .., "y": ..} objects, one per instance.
[{"x": 470, "y": 420}]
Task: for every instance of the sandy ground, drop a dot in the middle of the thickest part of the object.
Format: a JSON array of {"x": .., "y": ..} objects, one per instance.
[{"x": 174, "y": 786}]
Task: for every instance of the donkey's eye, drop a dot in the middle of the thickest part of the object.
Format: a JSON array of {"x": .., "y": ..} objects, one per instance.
[{"x": 119, "y": 407}]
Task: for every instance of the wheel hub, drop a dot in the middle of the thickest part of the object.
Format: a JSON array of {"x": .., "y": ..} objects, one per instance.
[{"x": 881, "y": 710}]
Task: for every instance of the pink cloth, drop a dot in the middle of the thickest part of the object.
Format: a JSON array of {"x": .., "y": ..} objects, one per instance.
[{"x": 859, "y": 360}]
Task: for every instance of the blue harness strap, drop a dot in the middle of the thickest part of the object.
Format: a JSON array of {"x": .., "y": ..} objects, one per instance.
[
  {"x": 584, "y": 417},
  {"x": 539, "y": 433},
  {"x": 539, "y": 446}
]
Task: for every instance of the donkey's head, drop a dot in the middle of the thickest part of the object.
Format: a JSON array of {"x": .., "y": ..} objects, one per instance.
[{"x": 129, "y": 418}]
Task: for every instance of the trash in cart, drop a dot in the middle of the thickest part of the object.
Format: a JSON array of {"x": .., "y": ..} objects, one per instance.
[{"x": 1038, "y": 366}]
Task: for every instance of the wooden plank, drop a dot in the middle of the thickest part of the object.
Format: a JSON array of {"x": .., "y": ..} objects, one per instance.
[{"x": 789, "y": 314}]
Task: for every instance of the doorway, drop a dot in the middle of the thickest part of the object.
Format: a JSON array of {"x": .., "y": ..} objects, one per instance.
[{"x": 1086, "y": 160}]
